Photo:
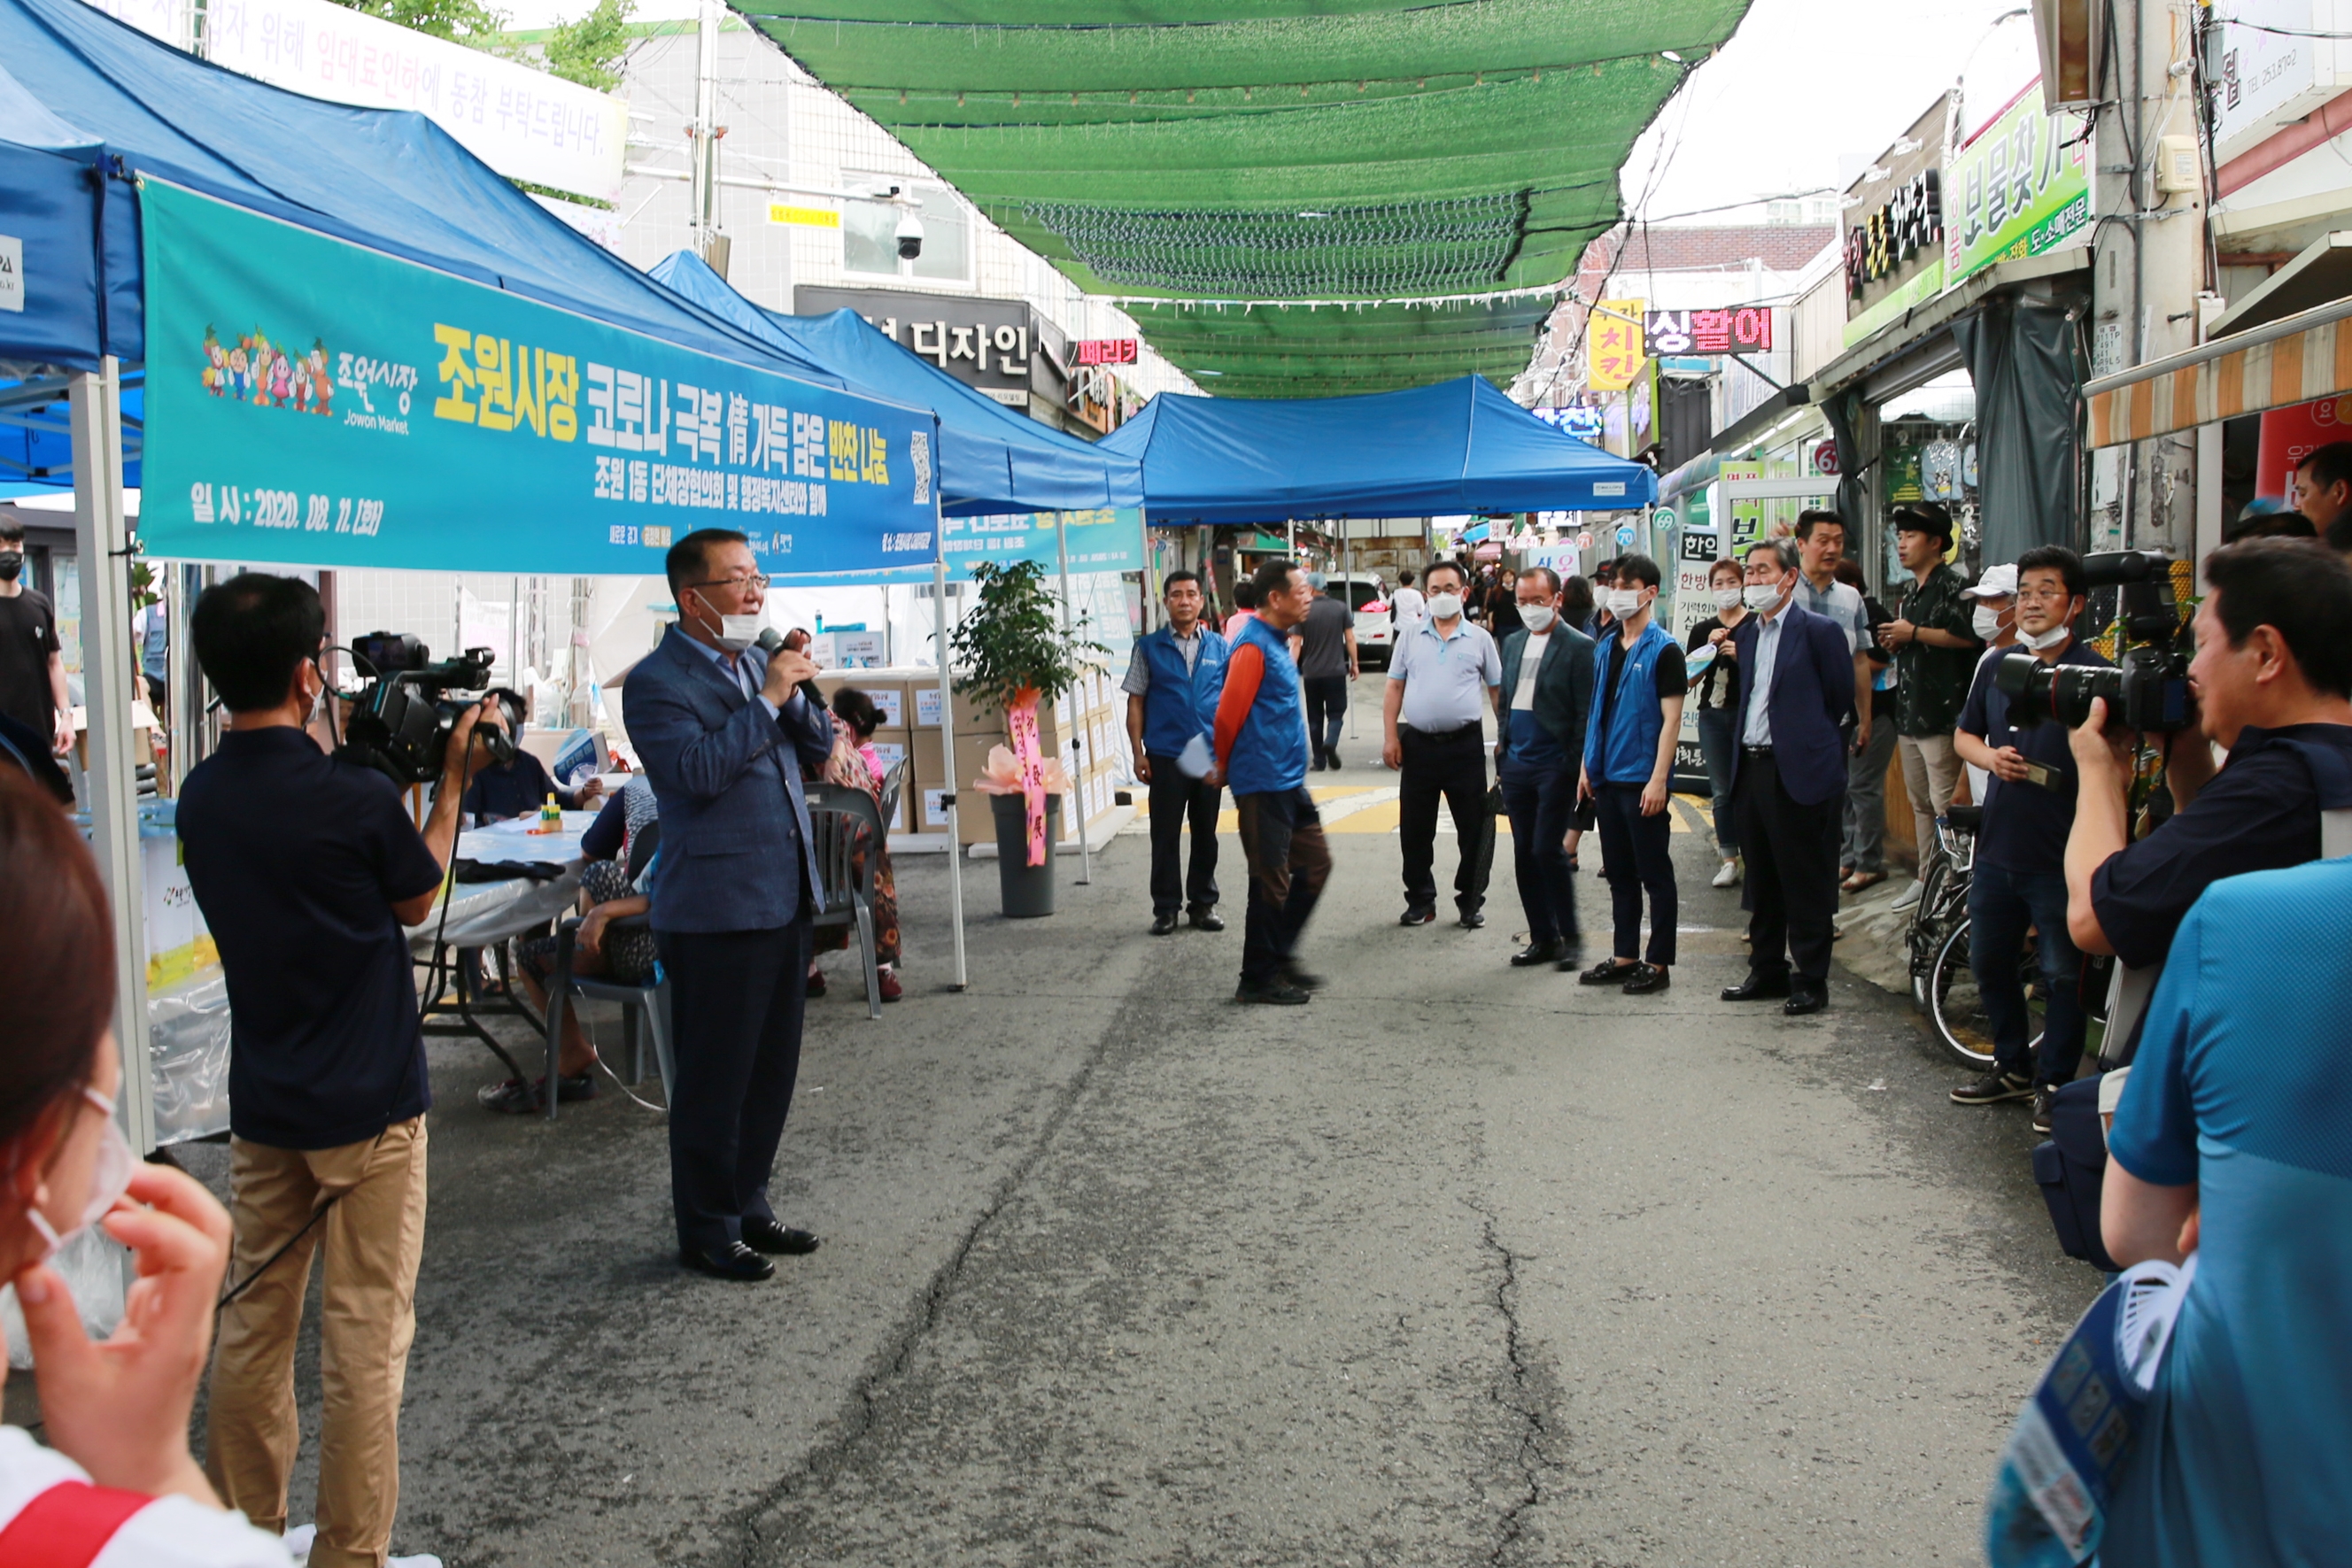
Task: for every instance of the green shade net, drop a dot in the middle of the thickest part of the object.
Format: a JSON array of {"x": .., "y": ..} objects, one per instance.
[{"x": 1230, "y": 151}]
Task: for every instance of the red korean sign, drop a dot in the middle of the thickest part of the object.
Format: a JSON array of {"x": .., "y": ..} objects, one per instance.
[
  {"x": 1740, "y": 329},
  {"x": 1106, "y": 351}
]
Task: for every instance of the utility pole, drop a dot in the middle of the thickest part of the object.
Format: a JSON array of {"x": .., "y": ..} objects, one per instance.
[
  {"x": 2150, "y": 197},
  {"x": 702, "y": 151}
]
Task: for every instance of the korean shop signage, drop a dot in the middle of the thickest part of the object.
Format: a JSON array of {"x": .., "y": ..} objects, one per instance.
[
  {"x": 2019, "y": 188},
  {"x": 313, "y": 402},
  {"x": 991, "y": 345},
  {"x": 1893, "y": 224},
  {"x": 1612, "y": 345},
  {"x": 1733, "y": 329}
]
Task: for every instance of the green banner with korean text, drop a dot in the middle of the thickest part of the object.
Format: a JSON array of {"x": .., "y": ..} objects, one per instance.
[
  {"x": 314, "y": 403},
  {"x": 2022, "y": 187},
  {"x": 1108, "y": 539}
]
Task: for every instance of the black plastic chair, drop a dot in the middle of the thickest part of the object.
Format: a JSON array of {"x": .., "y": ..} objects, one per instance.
[{"x": 846, "y": 821}]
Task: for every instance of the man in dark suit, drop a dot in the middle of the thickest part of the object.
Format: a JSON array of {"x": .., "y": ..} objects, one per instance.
[
  {"x": 1788, "y": 781},
  {"x": 722, "y": 732},
  {"x": 1547, "y": 691}
]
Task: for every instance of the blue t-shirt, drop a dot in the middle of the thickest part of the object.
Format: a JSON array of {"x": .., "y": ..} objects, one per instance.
[
  {"x": 2243, "y": 1086},
  {"x": 2025, "y": 824}
]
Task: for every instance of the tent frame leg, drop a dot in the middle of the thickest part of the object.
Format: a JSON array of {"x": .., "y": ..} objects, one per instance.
[{"x": 947, "y": 753}]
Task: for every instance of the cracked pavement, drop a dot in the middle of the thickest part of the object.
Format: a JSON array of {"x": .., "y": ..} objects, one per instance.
[{"x": 1458, "y": 1265}]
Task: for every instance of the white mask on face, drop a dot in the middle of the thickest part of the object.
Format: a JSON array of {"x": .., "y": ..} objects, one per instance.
[
  {"x": 736, "y": 632},
  {"x": 2038, "y": 641},
  {"x": 1725, "y": 598},
  {"x": 110, "y": 1179},
  {"x": 1761, "y": 596},
  {"x": 1986, "y": 622},
  {"x": 1444, "y": 606},
  {"x": 1624, "y": 601},
  {"x": 1537, "y": 618}
]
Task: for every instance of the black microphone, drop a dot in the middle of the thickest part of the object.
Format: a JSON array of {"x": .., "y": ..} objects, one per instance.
[{"x": 769, "y": 641}]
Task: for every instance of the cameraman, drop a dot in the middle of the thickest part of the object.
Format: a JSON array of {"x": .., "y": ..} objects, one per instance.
[
  {"x": 2270, "y": 683},
  {"x": 2029, "y": 804},
  {"x": 306, "y": 869}
]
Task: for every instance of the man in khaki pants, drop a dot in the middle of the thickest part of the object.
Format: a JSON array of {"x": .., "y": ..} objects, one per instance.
[{"x": 306, "y": 869}]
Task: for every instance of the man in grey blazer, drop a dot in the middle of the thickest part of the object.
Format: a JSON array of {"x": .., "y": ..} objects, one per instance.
[
  {"x": 722, "y": 731},
  {"x": 1547, "y": 693}
]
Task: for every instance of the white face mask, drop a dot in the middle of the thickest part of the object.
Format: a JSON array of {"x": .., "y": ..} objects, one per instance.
[
  {"x": 110, "y": 1179},
  {"x": 1761, "y": 596},
  {"x": 1444, "y": 606},
  {"x": 736, "y": 632},
  {"x": 1537, "y": 618},
  {"x": 1987, "y": 622},
  {"x": 1725, "y": 598},
  {"x": 1624, "y": 601},
  {"x": 2038, "y": 641}
]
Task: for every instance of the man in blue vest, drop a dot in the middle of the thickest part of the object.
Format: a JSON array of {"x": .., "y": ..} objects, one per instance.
[
  {"x": 1547, "y": 697},
  {"x": 1638, "y": 686},
  {"x": 1172, "y": 685},
  {"x": 1261, "y": 747}
]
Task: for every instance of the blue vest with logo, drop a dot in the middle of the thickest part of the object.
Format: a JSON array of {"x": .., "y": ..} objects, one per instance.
[
  {"x": 1180, "y": 703},
  {"x": 1270, "y": 753},
  {"x": 1627, "y": 751}
]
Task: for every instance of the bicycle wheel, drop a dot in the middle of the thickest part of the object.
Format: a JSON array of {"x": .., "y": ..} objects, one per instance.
[
  {"x": 1958, "y": 1009},
  {"x": 1925, "y": 935}
]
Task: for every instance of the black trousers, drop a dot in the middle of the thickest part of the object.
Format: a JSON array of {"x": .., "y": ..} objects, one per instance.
[
  {"x": 1792, "y": 869},
  {"x": 1175, "y": 800},
  {"x": 736, "y": 1001},
  {"x": 1452, "y": 766},
  {"x": 1542, "y": 806},
  {"x": 1637, "y": 857},
  {"x": 1290, "y": 861},
  {"x": 1327, "y": 711}
]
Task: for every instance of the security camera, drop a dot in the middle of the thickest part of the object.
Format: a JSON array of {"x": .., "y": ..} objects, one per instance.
[{"x": 909, "y": 235}]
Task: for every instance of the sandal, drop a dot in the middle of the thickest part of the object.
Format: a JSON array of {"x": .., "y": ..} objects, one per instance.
[{"x": 1863, "y": 879}]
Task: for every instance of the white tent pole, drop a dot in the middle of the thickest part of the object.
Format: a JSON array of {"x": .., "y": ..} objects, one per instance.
[
  {"x": 947, "y": 752},
  {"x": 102, "y": 544},
  {"x": 1077, "y": 785},
  {"x": 1348, "y": 533}
]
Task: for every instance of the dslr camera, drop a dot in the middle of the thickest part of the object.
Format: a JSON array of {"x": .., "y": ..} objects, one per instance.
[
  {"x": 2147, "y": 689},
  {"x": 400, "y": 721}
]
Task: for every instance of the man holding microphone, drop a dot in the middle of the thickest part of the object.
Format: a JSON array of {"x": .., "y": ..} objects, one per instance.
[{"x": 723, "y": 731}]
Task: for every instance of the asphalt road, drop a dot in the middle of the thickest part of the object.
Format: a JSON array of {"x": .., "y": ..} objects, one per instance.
[{"x": 1460, "y": 1264}]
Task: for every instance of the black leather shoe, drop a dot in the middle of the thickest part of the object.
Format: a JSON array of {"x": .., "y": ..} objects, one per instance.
[
  {"x": 1756, "y": 987},
  {"x": 1806, "y": 996},
  {"x": 1206, "y": 918},
  {"x": 1473, "y": 918},
  {"x": 1644, "y": 978},
  {"x": 1535, "y": 953},
  {"x": 736, "y": 1262},
  {"x": 1418, "y": 914},
  {"x": 766, "y": 1235},
  {"x": 1162, "y": 925},
  {"x": 1608, "y": 972},
  {"x": 1280, "y": 994}
]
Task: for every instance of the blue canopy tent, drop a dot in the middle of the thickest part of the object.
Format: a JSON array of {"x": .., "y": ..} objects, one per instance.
[
  {"x": 1458, "y": 447},
  {"x": 991, "y": 460}
]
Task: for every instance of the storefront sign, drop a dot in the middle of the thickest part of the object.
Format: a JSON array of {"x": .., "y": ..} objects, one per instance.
[
  {"x": 1741, "y": 330},
  {"x": 1893, "y": 224},
  {"x": 1825, "y": 458},
  {"x": 2019, "y": 188},
  {"x": 2279, "y": 61},
  {"x": 995, "y": 346},
  {"x": 1612, "y": 345},
  {"x": 785, "y": 215},
  {"x": 313, "y": 402},
  {"x": 1106, "y": 351}
]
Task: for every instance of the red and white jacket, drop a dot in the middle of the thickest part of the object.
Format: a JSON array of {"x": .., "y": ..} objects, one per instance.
[{"x": 52, "y": 1517}]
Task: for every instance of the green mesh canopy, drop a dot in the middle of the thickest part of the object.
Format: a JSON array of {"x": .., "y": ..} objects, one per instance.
[{"x": 1229, "y": 151}]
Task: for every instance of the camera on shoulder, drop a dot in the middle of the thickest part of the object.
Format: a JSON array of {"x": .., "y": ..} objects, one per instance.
[
  {"x": 2147, "y": 689},
  {"x": 402, "y": 719}
]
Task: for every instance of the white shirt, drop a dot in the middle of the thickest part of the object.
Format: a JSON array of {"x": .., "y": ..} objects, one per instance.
[
  {"x": 1757, "y": 729},
  {"x": 169, "y": 1532},
  {"x": 1408, "y": 608},
  {"x": 1523, "y": 697}
]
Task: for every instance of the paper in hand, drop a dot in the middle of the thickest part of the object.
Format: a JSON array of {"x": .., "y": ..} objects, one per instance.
[{"x": 1195, "y": 760}]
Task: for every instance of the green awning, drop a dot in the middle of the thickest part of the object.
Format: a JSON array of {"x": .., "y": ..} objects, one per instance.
[{"x": 1245, "y": 150}]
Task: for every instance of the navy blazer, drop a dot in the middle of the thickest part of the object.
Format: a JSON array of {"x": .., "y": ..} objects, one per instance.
[
  {"x": 1812, "y": 693},
  {"x": 1564, "y": 687},
  {"x": 736, "y": 844}
]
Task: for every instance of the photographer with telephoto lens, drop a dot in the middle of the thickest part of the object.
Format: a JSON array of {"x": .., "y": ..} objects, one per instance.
[{"x": 307, "y": 867}]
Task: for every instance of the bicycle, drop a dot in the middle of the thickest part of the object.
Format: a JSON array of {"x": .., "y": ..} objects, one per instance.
[{"x": 1943, "y": 896}]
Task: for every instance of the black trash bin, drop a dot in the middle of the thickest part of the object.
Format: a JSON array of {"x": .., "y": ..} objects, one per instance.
[{"x": 1027, "y": 890}]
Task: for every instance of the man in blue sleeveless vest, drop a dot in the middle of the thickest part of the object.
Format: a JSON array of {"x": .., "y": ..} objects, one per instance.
[
  {"x": 1261, "y": 747},
  {"x": 1172, "y": 685},
  {"x": 1638, "y": 686}
]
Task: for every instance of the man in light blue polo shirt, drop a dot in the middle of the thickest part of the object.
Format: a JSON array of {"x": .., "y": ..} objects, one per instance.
[{"x": 1441, "y": 673}]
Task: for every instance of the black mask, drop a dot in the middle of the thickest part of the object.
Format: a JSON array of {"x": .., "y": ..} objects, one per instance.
[{"x": 11, "y": 563}]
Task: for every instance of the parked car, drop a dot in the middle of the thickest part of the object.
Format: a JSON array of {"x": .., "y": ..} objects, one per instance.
[{"x": 1375, "y": 624}]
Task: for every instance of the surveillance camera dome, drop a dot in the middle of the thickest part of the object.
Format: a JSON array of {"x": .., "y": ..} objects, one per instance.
[{"x": 909, "y": 235}]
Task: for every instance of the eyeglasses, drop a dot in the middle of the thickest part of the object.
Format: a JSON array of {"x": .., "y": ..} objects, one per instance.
[
  {"x": 2041, "y": 595},
  {"x": 755, "y": 581}
]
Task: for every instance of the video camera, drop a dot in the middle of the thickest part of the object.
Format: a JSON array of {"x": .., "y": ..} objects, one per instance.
[
  {"x": 401, "y": 719},
  {"x": 2147, "y": 689}
]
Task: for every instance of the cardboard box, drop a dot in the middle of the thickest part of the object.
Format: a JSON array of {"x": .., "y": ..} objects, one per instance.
[
  {"x": 929, "y": 751},
  {"x": 889, "y": 695},
  {"x": 926, "y": 695},
  {"x": 973, "y": 716}
]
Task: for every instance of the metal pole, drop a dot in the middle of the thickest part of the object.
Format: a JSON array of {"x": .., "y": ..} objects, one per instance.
[
  {"x": 1077, "y": 785},
  {"x": 101, "y": 540},
  {"x": 947, "y": 753}
]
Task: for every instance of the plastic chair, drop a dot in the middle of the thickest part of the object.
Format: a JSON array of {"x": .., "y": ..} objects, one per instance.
[
  {"x": 845, "y": 821},
  {"x": 649, "y": 999}
]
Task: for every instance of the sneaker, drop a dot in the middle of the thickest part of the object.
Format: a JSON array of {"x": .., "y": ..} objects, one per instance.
[
  {"x": 514, "y": 1098},
  {"x": 298, "y": 1541},
  {"x": 1992, "y": 1089},
  {"x": 1275, "y": 994},
  {"x": 1419, "y": 915},
  {"x": 1727, "y": 873},
  {"x": 890, "y": 988},
  {"x": 816, "y": 983},
  {"x": 2045, "y": 1100},
  {"x": 1910, "y": 896}
]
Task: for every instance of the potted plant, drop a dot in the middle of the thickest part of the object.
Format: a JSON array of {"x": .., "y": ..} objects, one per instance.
[{"x": 1013, "y": 651}]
